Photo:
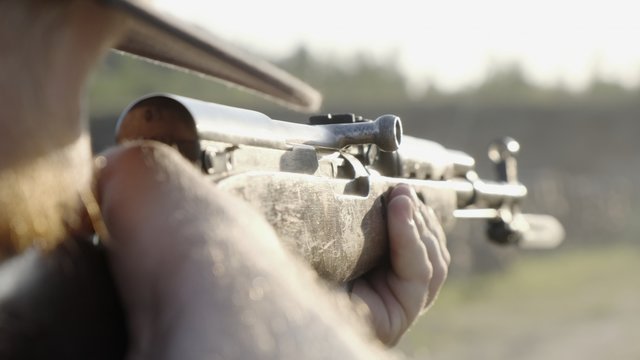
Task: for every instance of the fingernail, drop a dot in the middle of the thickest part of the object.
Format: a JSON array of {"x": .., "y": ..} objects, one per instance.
[{"x": 403, "y": 209}]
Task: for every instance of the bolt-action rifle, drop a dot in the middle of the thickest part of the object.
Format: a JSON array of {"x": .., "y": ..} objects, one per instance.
[{"x": 322, "y": 185}]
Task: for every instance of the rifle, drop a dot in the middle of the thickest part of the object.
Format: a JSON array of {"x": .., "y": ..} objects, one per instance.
[{"x": 322, "y": 185}]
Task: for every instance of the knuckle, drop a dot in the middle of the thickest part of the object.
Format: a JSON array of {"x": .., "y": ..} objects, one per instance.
[
  {"x": 427, "y": 274},
  {"x": 447, "y": 257},
  {"x": 442, "y": 270}
]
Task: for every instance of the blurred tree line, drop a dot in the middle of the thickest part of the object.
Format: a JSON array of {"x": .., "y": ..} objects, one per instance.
[{"x": 345, "y": 84}]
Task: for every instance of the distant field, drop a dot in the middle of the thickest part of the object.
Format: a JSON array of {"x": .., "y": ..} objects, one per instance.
[{"x": 583, "y": 304}]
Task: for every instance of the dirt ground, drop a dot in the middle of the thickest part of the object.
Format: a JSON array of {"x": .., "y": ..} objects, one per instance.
[{"x": 580, "y": 304}]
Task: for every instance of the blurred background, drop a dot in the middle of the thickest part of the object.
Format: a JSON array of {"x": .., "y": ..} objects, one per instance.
[{"x": 560, "y": 77}]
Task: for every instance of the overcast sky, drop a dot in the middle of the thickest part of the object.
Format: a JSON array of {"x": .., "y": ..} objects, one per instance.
[{"x": 449, "y": 42}]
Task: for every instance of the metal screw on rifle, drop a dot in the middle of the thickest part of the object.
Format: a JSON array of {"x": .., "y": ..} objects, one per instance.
[
  {"x": 208, "y": 156},
  {"x": 216, "y": 161}
]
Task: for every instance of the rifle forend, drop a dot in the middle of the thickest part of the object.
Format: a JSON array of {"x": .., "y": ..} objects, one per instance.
[{"x": 322, "y": 186}]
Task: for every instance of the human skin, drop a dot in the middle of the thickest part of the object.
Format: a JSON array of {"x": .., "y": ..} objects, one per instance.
[
  {"x": 200, "y": 274},
  {"x": 210, "y": 251},
  {"x": 48, "y": 49}
]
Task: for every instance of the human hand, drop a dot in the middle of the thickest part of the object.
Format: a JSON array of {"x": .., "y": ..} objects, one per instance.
[
  {"x": 202, "y": 274},
  {"x": 180, "y": 254},
  {"x": 398, "y": 292}
]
